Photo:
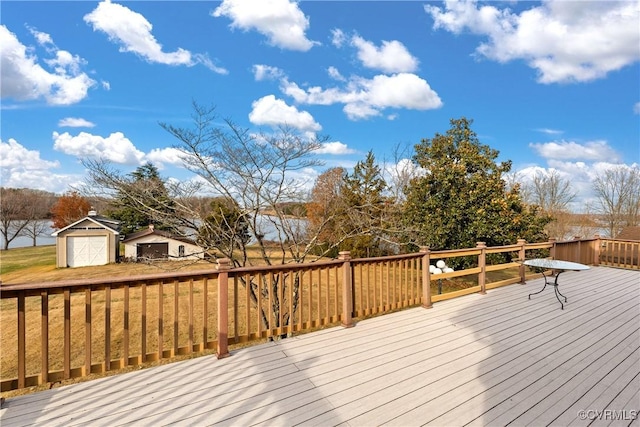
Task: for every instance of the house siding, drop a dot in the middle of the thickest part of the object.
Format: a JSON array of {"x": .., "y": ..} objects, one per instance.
[{"x": 191, "y": 251}]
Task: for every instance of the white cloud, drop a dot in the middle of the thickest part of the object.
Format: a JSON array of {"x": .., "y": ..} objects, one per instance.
[
  {"x": 132, "y": 32},
  {"x": 275, "y": 112},
  {"x": 266, "y": 72},
  {"x": 335, "y": 147},
  {"x": 162, "y": 156},
  {"x": 203, "y": 58},
  {"x": 579, "y": 174},
  {"x": 567, "y": 150},
  {"x": 281, "y": 21},
  {"x": 338, "y": 38},
  {"x": 14, "y": 155},
  {"x": 75, "y": 122},
  {"x": 24, "y": 79},
  {"x": 391, "y": 57},
  {"x": 364, "y": 98},
  {"x": 550, "y": 131},
  {"x": 564, "y": 41},
  {"x": 116, "y": 147},
  {"x": 335, "y": 74},
  {"x": 24, "y": 168},
  {"x": 43, "y": 39},
  {"x": 636, "y": 108}
]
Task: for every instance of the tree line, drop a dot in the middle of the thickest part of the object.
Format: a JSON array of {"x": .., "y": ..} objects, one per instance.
[{"x": 451, "y": 194}]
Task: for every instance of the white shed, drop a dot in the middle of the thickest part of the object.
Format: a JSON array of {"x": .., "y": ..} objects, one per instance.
[
  {"x": 93, "y": 240},
  {"x": 157, "y": 244}
]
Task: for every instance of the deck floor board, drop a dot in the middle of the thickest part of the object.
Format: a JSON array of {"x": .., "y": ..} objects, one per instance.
[{"x": 489, "y": 359}]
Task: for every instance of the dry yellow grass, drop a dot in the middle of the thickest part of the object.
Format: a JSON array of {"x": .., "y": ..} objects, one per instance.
[{"x": 30, "y": 265}]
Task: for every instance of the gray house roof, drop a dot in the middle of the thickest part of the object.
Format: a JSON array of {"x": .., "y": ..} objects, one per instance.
[
  {"x": 152, "y": 231},
  {"x": 629, "y": 233}
]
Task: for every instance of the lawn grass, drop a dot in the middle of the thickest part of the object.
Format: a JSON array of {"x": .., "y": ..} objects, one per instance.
[
  {"x": 40, "y": 259},
  {"x": 38, "y": 264}
]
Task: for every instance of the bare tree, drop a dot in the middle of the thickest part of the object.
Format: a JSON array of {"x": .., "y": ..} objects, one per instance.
[
  {"x": 20, "y": 209},
  {"x": 618, "y": 197},
  {"x": 553, "y": 194},
  {"x": 40, "y": 203},
  {"x": 257, "y": 171},
  {"x": 325, "y": 210},
  {"x": 399, "y": 171}
]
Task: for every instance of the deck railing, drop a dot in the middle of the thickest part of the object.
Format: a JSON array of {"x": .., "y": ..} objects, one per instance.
[{"x": 62, "y": 330}]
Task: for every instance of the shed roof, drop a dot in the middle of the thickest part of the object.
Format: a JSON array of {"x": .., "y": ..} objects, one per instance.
[{"x": 108, "y": 224}]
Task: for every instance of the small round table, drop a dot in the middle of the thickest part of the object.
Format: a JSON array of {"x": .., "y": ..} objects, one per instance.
[{"x": 560, "y": 266}]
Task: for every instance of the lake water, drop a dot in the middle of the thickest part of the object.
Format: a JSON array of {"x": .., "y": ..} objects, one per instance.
[
  {"x": 23, "y": 242},
  {"x": 268, "y": 229}
]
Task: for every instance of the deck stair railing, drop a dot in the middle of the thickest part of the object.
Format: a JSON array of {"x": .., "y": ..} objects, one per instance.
[{"x": 69, "y": 329}]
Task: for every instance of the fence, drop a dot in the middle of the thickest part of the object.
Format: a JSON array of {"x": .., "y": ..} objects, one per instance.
[{"x": 63, "y": 330}]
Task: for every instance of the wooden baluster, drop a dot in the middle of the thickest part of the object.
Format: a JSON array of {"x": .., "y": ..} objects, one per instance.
[
  {"x": 160, "y": 320},
  {"x": 22, "y": 339},
  {"x": 67, "y": 333},
  {"x": 190, "y": 349},
  {"x": 205, "y": 313},
  {"x": 125, "y": 344},
  {"x": 87, "y": 331},
  {"x": 107, "y": 328},
  {"x": 143, "y": 323},
  {"x": 44, "y": 336},
  {"x": 176, "y": 316}
]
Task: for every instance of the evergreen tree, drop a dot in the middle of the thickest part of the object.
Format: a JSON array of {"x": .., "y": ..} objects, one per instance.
[
  {"x": 363, "y": 195},
  {"x": 143, "y": 200},
  {"x": 462, "y": 198}
]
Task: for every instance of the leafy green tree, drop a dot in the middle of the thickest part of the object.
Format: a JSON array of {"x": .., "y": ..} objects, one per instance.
[
  {"x": 462, "y": 197},
  {"x": 143, "y": 199}
]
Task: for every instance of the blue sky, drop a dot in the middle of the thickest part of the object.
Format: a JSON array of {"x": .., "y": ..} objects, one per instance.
[{"x": 551, "y": 85}]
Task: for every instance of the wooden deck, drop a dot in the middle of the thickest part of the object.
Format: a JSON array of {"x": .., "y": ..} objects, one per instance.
[{"x": 492, "y": 359}]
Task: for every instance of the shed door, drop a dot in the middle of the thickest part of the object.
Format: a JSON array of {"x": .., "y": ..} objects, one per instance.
[
  {"x": 87, "y": 250},
  {"x": 153, "y": 250}
]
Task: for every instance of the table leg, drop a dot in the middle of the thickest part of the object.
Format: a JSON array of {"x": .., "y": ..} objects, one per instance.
[
  {"x": 558, "y": 293},
  {"x": 555, "y": 287}
]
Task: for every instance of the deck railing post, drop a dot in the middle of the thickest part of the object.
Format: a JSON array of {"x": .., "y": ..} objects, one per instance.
[
  {"x": 482, "y": 263},
  {"x": 596, "y": 250},
  {"x": 426, "y": 277},
  {"x": 347, "y": 296},
  {"x": 224, "y": 265},
  {"x": 521, "y": 259},
  {"x": 552, "y": 250}
]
